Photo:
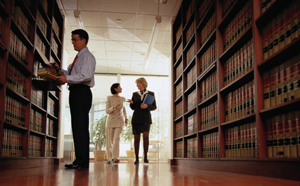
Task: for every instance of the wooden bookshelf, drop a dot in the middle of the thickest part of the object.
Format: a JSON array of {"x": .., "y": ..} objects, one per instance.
[
  {"x": 28, "y": 102},
  {"x": 236, "y": 39}
]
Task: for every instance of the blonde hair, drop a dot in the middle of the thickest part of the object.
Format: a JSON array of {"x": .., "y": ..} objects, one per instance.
[{"x": 142, "y": 80}]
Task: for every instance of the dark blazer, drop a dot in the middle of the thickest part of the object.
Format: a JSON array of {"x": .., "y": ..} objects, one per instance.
[{"x": 141, "y": 115}]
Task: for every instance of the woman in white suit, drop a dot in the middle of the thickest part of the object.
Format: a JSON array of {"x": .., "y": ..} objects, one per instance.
[{"x": 115, "y": 109}]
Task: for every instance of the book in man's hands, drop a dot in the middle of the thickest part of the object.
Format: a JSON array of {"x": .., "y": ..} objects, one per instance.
[
  {"x": 48, "y": 72},
  {"x": 149, "y": 99}
]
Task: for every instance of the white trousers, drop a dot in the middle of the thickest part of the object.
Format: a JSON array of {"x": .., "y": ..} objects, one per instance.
[{"x": 113, "y": 142}]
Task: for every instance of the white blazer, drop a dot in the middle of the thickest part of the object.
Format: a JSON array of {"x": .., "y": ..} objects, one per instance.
[{"x": 116, "y": 117}]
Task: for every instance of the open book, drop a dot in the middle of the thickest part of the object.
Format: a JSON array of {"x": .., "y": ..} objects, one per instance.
[
  {"x": 149, "y": 99},
  {"x": 48, "y": 72}
]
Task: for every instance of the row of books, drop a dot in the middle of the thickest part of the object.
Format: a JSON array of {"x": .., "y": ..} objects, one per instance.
[
  {"x": 15, "y": 80},
  {"x": 40, "y": 21},
  {"x": 283, "y": 135},
  {"x": 240, "y": 102},
  {"x": 178, "y": 33},
  {"x": 178, "y": 129},
  {"x": 192, "y": 124},
  {"x": 208, "y": 29},
  {"x": 190, "y": 31},
  {"x": 209, "y": 116},
  {"x": 34, "y": 148},
  {"x": 17, "y": 48},
  {"x": 241, "y": 141},
  {"x": 179, "y": 70},
  {"x": 56, "y": 27},
  {"x": 227, "y": 4},
  {"x": 265, "y": 4},
  {"x": 178, "y": 51},
  {"x": 178, "y": 90},
  {"x": 190, "y": 54},
  {"x": 45, "y": 5},
  {"x": 50, "y": 127},
  {"x": 36, "y": 121},
  {"x": 192, "y": 148},
  {"x": 282, "y": 30},
  {"x": 191, "y": 76},
  {"x": 37, "y": 97},
  {"x": 192, "y": 100},
  {"x": 208, "y": 57},
  {"x": 12, "y": 143},
  {"x": 239, "y": 63},
  {"x": 204, "y": 8},
  {"x": 178, "y": 109},
  {"x": 40, "y": 44},
  {"x": 14, "y": 111},
  {"x": 240, "y": 23},
  {"x": 21, "y": 20},
  {"x": 188, "y": 12},
  {"x": 179, "y": 149},
  {"x": 208, "y": 86},
  {"x": 49, "y": 148},
  {"x": 282, "y": 82},
  {"x": 211, "y": 145},
  {"x": 51, "y": 106},
  {"x": 54, "y": 45}
]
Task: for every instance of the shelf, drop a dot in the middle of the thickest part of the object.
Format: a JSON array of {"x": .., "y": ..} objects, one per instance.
[
  {"x": 190, "y": 19},
  {"x": 53, "y": 117},
  {"x": 53, "y": 96},
  {"x": 2, "y": 48},
  {"x": 281, "y": 55},
  {"x": 46, "y": 84},
  {"x": 208, "y": 71},
  {"x": 190, "y": 112},
  {"x": 280, "y": 159},
  {"x": 209, "y": 100},
  {"x": 207, "y": 43},
  {"x": 42, "y": 11},
  {"x": 207, "y": 15},
  {"x": 178, "y": 60},
  {"x": 42, "y": 56},
  {"x": 190, "y": 65},
  {"x": 191, "y": 88},
  {"x": 275, "y": 8},
  {"x": 192, "y": 135},
  {"x": 52, "y": 137},
  {"x": 228, "y": 17},
  {"x": 239, "y": 159},
  {"x": 178, "y": 80},
  {"x": 55, "y": 57},
  {"x": 189, "y": 42},
  {"x": 240, "y": 120},
  {"x": 178, "y": 98},
  {"x": 27, "y": 12},
  {"x": 37, "y": 133},
  {"x": 246, "y": 36},
  {"x": 248, "y": 76},
  {"x": 179, "y": 138},
  {"x": 21, "y": 35},
  {"x": 14, "y": 127},
  {"x": 17, "y": 96},
  {"x": 178, "y": 118},
  {"x": 19, "y": 64},
  {"x": 281, "y": 108},
  {"x": 3, "y": 11},
  {"x": 209, "y": 130},
  {"x": 178, "y": 41},
  {"x": 42, "y": 35},
  {"x": 36, "y": 107},
  {"x": 56, "y": 37}
]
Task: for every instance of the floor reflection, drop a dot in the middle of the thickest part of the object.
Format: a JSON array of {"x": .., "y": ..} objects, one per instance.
[{"x": 128, "y": 174}]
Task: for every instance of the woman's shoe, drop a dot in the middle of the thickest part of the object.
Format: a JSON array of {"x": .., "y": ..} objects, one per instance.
[
  {"x": 108, "y": 162},
  {"x": 116, "y": 161},
  {"x": 146, "y": 161},
  {"x": 136, "y": 162}
]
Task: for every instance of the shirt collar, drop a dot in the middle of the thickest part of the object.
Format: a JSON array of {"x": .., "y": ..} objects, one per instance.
[{"x": 82, "y": 51}]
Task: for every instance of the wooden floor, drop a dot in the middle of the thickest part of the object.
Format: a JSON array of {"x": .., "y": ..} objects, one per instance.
[{"x": 128, "y": 174}]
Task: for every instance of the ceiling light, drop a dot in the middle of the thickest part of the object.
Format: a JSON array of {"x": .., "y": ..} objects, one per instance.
[
  {"x": 157, "y": 22},
  {"x": 119, "y": 65},
  {"x": 119, "y": 20},
  {"x": 78, "y": 18},
  {"x": 161, "y": 1}
]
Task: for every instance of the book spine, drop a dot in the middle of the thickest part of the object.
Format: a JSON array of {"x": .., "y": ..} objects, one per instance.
[{"x": 293, "y": 134}]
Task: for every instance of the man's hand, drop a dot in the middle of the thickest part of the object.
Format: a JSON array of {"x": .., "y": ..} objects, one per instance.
[
  {"x": 144, "y": 106},
  {"x": 61, "y": 79},
  {"x": 129, "y": 101},
  {"x": 55, "y": 65}
]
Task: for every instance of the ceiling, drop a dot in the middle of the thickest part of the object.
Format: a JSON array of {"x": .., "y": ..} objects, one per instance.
[{"x": 120, "y": 47}]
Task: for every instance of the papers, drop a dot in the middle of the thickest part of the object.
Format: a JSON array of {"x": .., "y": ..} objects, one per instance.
[{"x": 149, "y": 99}]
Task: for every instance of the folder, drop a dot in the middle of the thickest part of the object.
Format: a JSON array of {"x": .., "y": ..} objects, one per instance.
[{"x": 149, "y": 99}]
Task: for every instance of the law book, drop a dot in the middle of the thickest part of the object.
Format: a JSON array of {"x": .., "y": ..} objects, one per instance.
[
  {"x": 272, "y": 87},
  {"x": 275, "y": 34},
  {"x": 286, "y": 136},
  {"x": 281, "y": 31},
  {"x": 283, "y": 76},
  {"x": 266, "y": 87},
  {"x": 296, "y": 76},
  {"x": 242, "y": 141},
  {"x": 269, "y": 137},
  {"x": 278, "y": 78},
  {"x": 279, "y": 134},
  {"x": 293, "y": 134},
  {"x": 149, "y": 99},
  {"x": 274, "y": 137},
  {"x": 270, "y": 39},
  {"x": 289, "y": 79},
  {"x": 226, "y": 143}
]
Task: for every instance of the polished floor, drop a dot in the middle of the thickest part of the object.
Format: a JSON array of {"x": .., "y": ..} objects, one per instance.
[{"x": 128, "y": 174}]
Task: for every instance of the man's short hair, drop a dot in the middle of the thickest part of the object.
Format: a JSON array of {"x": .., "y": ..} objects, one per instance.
[{"x": 82, "y": 34}]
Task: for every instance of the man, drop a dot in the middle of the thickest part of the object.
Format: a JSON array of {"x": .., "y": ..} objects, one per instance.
[{"x": 80, "y": 77}]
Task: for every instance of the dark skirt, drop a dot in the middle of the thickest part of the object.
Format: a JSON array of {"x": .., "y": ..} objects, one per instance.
[{"x": 138, "y": 128}]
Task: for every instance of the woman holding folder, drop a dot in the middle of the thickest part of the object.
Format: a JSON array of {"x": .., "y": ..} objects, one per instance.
[{"x": 141, "y": 119}]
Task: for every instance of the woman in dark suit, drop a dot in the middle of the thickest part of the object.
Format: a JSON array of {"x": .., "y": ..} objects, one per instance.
[{"x": 141, "y": 119}]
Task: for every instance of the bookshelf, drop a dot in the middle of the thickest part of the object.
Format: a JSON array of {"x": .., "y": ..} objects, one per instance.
[
  {"x": 246, "y": 61},
  {"x": 31, "y": 36}
]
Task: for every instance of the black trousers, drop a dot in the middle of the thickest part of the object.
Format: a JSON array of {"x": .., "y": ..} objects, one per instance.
[{"x": 80, "y": 99}]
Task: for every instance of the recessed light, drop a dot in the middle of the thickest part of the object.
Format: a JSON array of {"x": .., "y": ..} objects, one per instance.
[
  {"x": 119, "y": 20},
  {"x": 119, "y": 65}
]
